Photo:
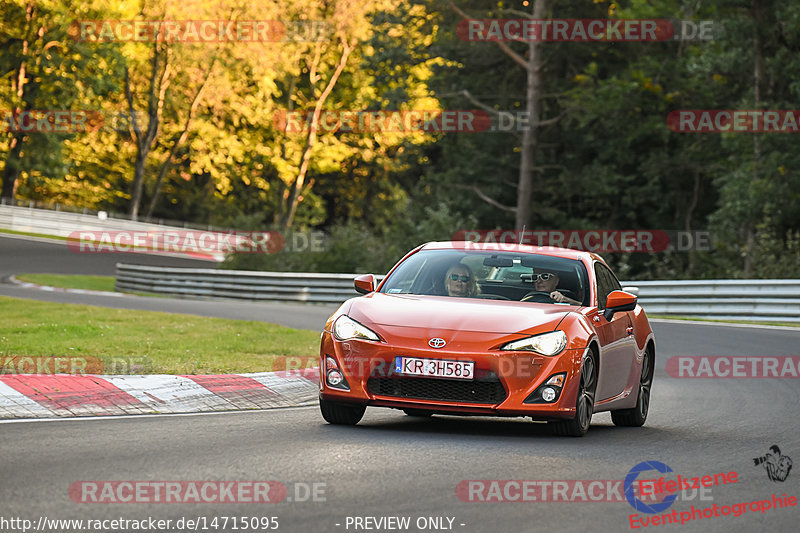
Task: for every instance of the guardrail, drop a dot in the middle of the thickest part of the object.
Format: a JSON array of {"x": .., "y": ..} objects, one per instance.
[
  {"x": 64, "y": 223},
  {"x": 775, "y": 300},
  {"x": 729, "y": 299},
  {"x": 25, "y": 209},
  {"x": 236, "y": 284}
]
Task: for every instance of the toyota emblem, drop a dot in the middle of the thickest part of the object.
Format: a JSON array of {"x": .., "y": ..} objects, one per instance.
[{"x": 436, "y": 342}]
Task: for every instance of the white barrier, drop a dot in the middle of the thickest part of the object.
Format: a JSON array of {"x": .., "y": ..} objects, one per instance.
[{"x": 64, "y": 224}]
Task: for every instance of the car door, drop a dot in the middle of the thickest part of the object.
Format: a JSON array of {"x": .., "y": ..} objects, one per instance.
[{"x": 617, "y": 345}]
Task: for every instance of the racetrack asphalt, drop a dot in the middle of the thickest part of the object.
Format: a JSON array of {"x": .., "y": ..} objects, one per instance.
[{"x": 394, "y": 465}]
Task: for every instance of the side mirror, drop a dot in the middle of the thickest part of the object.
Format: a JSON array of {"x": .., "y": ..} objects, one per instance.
[
  {"x": 619, "y": 301},
  {"x": 364, "y": 284}
]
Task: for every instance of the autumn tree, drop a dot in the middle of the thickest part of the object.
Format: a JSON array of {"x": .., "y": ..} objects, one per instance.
[{"x": 45, "y": 69}]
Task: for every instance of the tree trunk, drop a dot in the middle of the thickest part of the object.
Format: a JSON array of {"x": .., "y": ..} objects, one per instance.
[
  {"x": 689, "y": 214},
  {"x": 138, "y": 183},
  {"x": 162, "y": 172},
  {"x": 292, "y": 197},
  {"x": 144, "y": 139},
  {"x": 12, "y": 167},
  {"x": 528, "y": 148},
  {"x": 757, "y": 13}
]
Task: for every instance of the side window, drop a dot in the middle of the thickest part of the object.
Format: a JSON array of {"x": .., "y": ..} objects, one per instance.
[
  {"x": 602, "y": 286},
  {"x": 613, "y": 282}
]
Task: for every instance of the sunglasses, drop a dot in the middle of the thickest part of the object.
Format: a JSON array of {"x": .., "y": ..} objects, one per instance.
[
  {"x": 544, "y": 277},
  {"x": 456, "y": 277}
]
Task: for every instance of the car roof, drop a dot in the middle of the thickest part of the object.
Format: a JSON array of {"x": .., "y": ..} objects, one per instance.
[{"x": 469, "y": 246}]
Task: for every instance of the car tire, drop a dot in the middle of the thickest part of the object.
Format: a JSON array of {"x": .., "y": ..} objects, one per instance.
[
  {"x": 421, "y": 413},
  {"x": 345, "y": 414},
  {"x": 636, "y": 417},
  {"x": 584, "y": 402}
]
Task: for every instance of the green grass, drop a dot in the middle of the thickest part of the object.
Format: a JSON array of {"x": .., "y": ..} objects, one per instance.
[
  {"x": 69, "y": 281},
  {"x": 759, "y": 323},
  {"x": 147, "y": 342},
  {"x": 30, "y": 234}
]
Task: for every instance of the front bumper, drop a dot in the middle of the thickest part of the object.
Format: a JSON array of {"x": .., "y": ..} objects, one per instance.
[{"x": 503, "y": 380}]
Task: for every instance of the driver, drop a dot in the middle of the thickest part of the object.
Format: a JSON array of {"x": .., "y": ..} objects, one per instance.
[
  {"x": 547, "y": 282},
  {"x": 460, "y": 281}
]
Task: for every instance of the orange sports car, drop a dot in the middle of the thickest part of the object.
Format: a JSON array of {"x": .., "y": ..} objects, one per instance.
[{"x": 461, "y": 328}]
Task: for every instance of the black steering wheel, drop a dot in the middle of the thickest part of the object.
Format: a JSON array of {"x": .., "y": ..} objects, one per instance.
[
  {"x": 540, "y": 297},
  {"x": 490, "y": 296},
  {"x": 544, "y": 297}
]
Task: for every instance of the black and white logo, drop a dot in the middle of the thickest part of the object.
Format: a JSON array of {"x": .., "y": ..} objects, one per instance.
[{"x": 777, "y": 466}]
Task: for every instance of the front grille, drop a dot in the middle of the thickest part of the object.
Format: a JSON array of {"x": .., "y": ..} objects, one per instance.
[{"x": 487, "y": 389}]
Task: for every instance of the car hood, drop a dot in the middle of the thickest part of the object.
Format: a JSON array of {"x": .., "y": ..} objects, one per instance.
[{"x": 459, "y": 314}]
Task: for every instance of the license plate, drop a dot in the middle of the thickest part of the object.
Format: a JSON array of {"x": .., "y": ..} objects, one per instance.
[{"x": 435, "y": 368}]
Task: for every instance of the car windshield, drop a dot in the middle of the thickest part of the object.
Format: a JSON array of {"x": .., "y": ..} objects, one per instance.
[{"x": 491, "y": 275}]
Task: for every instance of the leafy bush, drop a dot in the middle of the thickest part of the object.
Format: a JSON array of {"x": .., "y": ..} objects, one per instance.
[{"x": 355, "y": 247}]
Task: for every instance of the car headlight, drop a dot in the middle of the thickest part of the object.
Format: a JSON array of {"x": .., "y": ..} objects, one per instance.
[
  {"x": 345, "y": 328},
  {"x": 546, "y": 344}
]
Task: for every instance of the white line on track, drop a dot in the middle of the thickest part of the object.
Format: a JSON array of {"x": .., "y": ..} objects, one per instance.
[
  {"x": 48, "y": 288},
  {"x": 32, "y": 238},
  {"x": 162, "y": 415}
]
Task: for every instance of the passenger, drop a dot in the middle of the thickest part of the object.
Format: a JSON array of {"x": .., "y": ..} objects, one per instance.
[
  {"x": 547, "y": 282},
  {"x": 460, "y": 281}
]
